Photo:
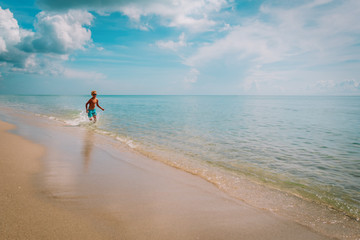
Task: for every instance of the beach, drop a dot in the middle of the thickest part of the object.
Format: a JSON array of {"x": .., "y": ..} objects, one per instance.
[
  {"x": 75, "y": 185},
  {"x": 25, "y": 211},
  {"x": 191, "y": 119}
]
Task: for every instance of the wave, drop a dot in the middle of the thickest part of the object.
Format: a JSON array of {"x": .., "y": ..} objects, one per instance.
[{"x": 81, "y": 120}]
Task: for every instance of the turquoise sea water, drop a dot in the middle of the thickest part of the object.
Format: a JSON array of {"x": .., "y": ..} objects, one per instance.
[{"x": 309, "y": 146}]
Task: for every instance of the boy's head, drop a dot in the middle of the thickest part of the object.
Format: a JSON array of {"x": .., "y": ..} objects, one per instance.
[{"x": 93, "y": 93}]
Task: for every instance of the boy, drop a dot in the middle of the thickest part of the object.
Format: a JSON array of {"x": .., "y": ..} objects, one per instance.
[{"x": 91, "y": 110}]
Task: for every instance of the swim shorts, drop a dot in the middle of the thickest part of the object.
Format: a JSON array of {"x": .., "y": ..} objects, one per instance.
[{"x": 91, "y": 113}]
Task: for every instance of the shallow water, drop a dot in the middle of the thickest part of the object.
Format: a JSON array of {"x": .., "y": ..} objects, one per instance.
[{"x": 309, "y": 146}]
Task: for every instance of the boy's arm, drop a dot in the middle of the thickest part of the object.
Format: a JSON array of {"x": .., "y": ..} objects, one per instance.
[
  {"x": 97, "y": 104},
  {"x": 86, "y": 105}
]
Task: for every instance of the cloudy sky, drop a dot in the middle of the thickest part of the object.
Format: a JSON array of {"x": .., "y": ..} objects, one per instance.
[{"x": 279, "y": 47}]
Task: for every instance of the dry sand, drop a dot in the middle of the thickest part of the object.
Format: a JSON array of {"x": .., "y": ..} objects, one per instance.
[{"x": 116, "y": 195}]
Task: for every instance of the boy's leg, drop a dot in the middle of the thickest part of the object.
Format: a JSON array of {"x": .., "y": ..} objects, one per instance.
[{"x": 90, "y": 115}]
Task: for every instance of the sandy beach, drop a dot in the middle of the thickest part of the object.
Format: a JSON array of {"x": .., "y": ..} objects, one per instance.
[
  {"x": 179, "y": 120},
  {"x": 74, "y": 185},
  {"x": 25, "y": 214}
]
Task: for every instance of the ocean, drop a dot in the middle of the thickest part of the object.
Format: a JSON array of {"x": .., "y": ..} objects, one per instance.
[{"x": 308, "y": 146}]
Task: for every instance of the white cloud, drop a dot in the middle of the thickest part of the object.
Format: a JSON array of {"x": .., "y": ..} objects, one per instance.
[
  {"x": 51, "y": 65},
  {"x": 42, "y": 52},
  {"x": 88, "y": 75},
  {"x": 171, "y": 45},
  {"x": 190, "y": 14},
  {"x": 10, "y": 36},
  {"x": 54, "y": 33},
  {"x": 347, "y": 84},
  {"x": 194, "y": 24},
  {"x": 259, "y": 81},
  {"x": 226, "y": 27},
  {"x": 42, "y": 65},
  {"x": 192, "y": 76},
  {"x": 133, "y": 11},
  {"x": 2, "y": 45},
  {"x": 56, "y": 36},
  {"x": 296, "y": 39},
  {"x": 77, "y": 74},
  {"x": 62, "y": 33},
  {"x": 9, "y": 30},
  {"x": 256, "y": 40}
]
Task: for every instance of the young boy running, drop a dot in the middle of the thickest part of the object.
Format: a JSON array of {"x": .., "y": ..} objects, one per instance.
[{"x": 91, "y": 111}]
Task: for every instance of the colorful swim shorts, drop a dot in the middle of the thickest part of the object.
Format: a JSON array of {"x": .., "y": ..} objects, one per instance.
[{"x": 91, "y": 113}]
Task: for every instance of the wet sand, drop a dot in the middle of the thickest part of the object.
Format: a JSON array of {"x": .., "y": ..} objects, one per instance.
[
  {"x": 24, "y": 214},
  {"x": 79, "y": 185}
]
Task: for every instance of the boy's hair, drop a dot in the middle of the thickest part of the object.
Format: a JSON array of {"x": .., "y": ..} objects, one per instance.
[{"x": 93, "y": 92}]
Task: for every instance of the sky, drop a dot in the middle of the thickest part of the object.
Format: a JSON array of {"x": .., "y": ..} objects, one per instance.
[{"x": 226, "y": 47}]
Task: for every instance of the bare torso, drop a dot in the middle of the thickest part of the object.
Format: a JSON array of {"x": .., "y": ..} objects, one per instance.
[{"x": 92, "y": 103}]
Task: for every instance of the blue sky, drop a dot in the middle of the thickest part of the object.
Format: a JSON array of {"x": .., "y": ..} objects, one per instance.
[{"x": 276, "y": 47}]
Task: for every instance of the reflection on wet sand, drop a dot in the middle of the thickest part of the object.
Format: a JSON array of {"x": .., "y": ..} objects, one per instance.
[{"x": 87, "y": 150}]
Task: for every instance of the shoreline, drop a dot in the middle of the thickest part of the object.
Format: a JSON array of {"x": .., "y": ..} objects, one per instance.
[
  {"x": 61, "y": 191},
  {"x": 331, "y": 184}
]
